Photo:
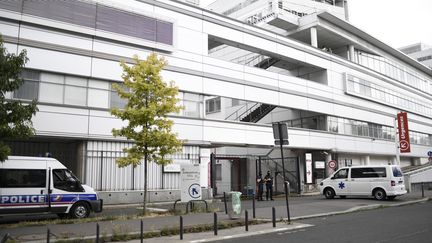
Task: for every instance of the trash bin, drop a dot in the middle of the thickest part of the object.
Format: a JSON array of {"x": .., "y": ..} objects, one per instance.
[{"x": 235, "y": 211}]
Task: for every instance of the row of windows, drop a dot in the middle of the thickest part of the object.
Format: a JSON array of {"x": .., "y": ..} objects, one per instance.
[
  {"x": 78, "y": 91},
  {"x": 357, "y": 128},
  {"x": 395, "y": 71},
  {"x": 96, "y": 16},
  {"x": 388, "y": 96},
  {"x": 372, "y": 130}
]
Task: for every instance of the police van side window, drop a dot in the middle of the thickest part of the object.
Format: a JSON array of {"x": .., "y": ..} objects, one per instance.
[
  {"x": 368, "y": 172},
  {"x": 66, "y": 181},
  {"x": 19, "y": 178}
]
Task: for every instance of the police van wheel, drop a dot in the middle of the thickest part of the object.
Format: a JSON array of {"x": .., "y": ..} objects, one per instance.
[
  {"x": 329, "y": 193},
  {"x": 379, "y": 194},
  {"x": 80, "y": 210}
]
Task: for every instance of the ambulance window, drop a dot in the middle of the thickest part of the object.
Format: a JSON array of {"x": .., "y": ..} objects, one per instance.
[
  {"x": 15, "y": 178},
  {"x": 341, "y": 174}
]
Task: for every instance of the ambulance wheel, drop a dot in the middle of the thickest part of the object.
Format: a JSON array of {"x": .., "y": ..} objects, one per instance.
[
  {"x": 329, "y": 193},
  {"x": 379, "y": 194},
  {"x": 80, "y": 210}
]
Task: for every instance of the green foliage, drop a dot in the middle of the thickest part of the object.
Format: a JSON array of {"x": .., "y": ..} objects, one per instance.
[
  {"x": 15, "y": 117},
  {"x": 150, "y": 100}
]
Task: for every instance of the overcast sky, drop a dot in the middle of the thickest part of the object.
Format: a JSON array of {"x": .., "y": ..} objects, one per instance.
[{"x": 395, "y": 22}]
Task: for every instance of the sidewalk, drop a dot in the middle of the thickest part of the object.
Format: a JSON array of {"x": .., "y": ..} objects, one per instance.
[{"x": 300, "y": 207}]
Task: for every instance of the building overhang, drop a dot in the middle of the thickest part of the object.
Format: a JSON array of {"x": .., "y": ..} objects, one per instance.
[
  {"x": 333, "y": 32},
  {"x": 351, "y": 29}
]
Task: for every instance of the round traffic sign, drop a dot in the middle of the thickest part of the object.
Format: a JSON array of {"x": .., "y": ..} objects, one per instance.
[
  {"x": 332, "y": 164},
  {"x": 194, "y": 190}
]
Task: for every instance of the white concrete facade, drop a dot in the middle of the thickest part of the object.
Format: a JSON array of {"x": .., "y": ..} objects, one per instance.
[{"x": 72, "y": 60}]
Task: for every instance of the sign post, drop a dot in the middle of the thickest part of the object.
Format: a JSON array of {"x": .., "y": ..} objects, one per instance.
[
  {"x": 280, "y": 134},
  {"x": 190, "y": 183}
]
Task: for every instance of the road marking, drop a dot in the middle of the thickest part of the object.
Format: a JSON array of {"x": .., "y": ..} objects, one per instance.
[
  {"x": 291, "y": 232},
  {"x": 260, "y": 232}
]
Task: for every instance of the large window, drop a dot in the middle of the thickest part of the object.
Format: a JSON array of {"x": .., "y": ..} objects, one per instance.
[
  {"x": 22, "y": 178},
  {"x": 30, "y": 87},
  {"x": 213, "y": 105},
  {"x": 369, "y": 90},
  {"x": 368, "y": 172},
  {"x": 96, "y": 16},
  {"x": 394, "y": 70}
]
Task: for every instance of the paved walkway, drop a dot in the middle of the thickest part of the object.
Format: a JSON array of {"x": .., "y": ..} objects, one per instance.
[{"x": 300, "y": 207}]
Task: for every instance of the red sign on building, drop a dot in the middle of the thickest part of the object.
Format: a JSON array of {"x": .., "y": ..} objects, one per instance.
[{"x": 404, "y": 141}]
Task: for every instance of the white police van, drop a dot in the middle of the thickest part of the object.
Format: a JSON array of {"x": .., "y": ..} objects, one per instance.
[
  {"x": 44, "y": 185},
  {"x": 381, "y": 182}
]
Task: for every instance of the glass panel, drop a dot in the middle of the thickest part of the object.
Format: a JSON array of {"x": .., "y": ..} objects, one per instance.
[
  {"x": 27, "y": 91},
  {"x": 98, "y": 98},
  {"x": 76, "y": 81},
  {"x": 75, "y": 95},
  {"x": 52, "y": 78},
  {"x": 52, "y": 93}
]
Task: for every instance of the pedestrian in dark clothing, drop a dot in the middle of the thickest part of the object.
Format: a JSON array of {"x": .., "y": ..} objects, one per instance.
[
  {"x": 269, "y": 186},
  {"x": 260, "y": 183}
]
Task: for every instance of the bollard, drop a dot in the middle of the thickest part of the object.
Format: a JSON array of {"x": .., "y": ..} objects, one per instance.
[
  {"x": 142, "y": 231},
  {"x": 274, "y": 217},
  {"x": 48, "y": 235},
  {"x": 97, "y": 233},
  {"x": 253, "y": 206},
  {"x": 246, "y": 221},
  {"x": 181, "y": 228},
  {"x": 215, "y": 226},
  {"x": 5, "y": 238},
  {"x": 225, "y": 203},
  {"x": 422, "y": 185},
  {"x": 286, "y": 199}
]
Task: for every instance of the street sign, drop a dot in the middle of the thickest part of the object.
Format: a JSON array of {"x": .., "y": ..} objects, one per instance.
[
  {"x": 190, "y": 183},
  {"x": 309, "y": 176},
  {"x": 404, "y": 140},
  {"x": 332, "y": 164},
  {"x": 280, "y": 135}
]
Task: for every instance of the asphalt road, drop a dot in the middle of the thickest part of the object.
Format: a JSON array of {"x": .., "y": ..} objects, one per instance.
[{"x": 412, "y": 223}]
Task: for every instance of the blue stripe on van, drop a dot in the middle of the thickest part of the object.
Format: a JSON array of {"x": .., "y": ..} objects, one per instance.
[{"x": 38, "y": 199}]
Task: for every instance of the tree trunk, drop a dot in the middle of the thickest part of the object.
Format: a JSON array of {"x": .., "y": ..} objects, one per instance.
[{"x": 145, "y": 186}]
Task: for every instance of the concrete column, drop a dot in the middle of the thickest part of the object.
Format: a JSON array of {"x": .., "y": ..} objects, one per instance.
[
  {"x": 328, "y": 170},
  {"x": 314, "y": 37},
  {"x": 351, "y": 52},
  {"x": 275, "y": 7},
  {"x": 346, "y": 10},
  {"x": 367, "y": 160}
]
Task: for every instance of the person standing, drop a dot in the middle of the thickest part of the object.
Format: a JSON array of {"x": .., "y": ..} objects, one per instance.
[
  {"x": 260, "y": 183},
  {"x": 269, "y": 186}
]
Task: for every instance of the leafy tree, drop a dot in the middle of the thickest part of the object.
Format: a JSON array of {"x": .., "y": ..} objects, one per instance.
[
  {"x": 15, "y": 117},
  {"x": 149, "y": 101}
]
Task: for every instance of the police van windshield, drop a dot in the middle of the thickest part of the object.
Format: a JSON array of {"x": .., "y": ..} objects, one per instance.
[{"x": 64, "y": 180}]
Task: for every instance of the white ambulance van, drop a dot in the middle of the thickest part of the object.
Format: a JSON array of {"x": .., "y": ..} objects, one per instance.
[
  {"x": 44, "y": 185},
  {"x": 381, "y": 182}
]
